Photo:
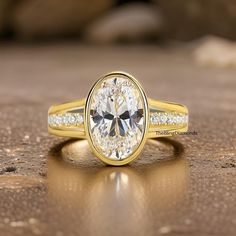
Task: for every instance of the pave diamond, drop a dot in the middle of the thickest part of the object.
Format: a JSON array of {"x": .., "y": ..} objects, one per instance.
[
  {"x": 67, "y": 119},
  {"x": 116, "y": 117},
  {"x": 163, "y": 118}
]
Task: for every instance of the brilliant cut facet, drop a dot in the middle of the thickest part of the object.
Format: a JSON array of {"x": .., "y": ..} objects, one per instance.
[{"x": 116, "y": 117}]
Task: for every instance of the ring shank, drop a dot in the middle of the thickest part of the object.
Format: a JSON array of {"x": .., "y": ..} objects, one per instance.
[{"x": 165, "y": 119}]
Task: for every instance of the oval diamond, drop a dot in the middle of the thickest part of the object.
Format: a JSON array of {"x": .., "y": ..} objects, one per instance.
[{"x": 116, "y": 116}]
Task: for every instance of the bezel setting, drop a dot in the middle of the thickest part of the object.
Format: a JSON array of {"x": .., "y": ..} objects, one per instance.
[{"x": 88, "y": 132}]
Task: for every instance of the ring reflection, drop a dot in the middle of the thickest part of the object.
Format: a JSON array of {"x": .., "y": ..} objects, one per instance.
[{"x": 101, "y": 196}]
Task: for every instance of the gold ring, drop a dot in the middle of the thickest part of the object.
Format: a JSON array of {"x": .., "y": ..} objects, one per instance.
[{"x": 117, "y": 118}]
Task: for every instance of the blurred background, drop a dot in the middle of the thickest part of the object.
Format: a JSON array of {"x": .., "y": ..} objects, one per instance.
[
  {"x": 136, "y": 20},
  {"x": 52, "y": 51},
  {"x": 125, "y": 22}
]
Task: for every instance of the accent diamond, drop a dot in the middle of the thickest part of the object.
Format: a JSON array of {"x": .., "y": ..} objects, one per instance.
[
  {"x": 67, "y": 119},
  {"x": 163, "y": 118}
]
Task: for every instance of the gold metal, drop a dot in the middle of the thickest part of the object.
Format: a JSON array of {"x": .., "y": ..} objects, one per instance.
[{"x": 151, "y": 130}]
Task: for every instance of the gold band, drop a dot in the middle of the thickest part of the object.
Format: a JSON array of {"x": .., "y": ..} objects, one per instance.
[
  {"x": 116, "y": 118},
  {"x": 165, "y": 119}
]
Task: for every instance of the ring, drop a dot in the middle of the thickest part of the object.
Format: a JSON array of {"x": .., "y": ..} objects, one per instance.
[{"x": 117, "y": 118}]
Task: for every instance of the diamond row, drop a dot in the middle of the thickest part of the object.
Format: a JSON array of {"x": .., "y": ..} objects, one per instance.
[
  {"x": 67, "y": 119},
  {"x": 163, "y": 118}
]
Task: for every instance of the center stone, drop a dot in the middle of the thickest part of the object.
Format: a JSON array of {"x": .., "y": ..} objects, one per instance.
[{"x": 116, "y": 120}]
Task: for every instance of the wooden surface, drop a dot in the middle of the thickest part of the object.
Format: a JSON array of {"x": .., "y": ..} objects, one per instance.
[{"x": 179, "y": 186}]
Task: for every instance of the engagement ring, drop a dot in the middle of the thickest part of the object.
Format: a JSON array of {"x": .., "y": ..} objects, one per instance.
[{"x": 117, "y": 118}]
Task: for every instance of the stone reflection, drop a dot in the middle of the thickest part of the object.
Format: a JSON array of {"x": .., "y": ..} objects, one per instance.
[{"x": 100, "y": 196}]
